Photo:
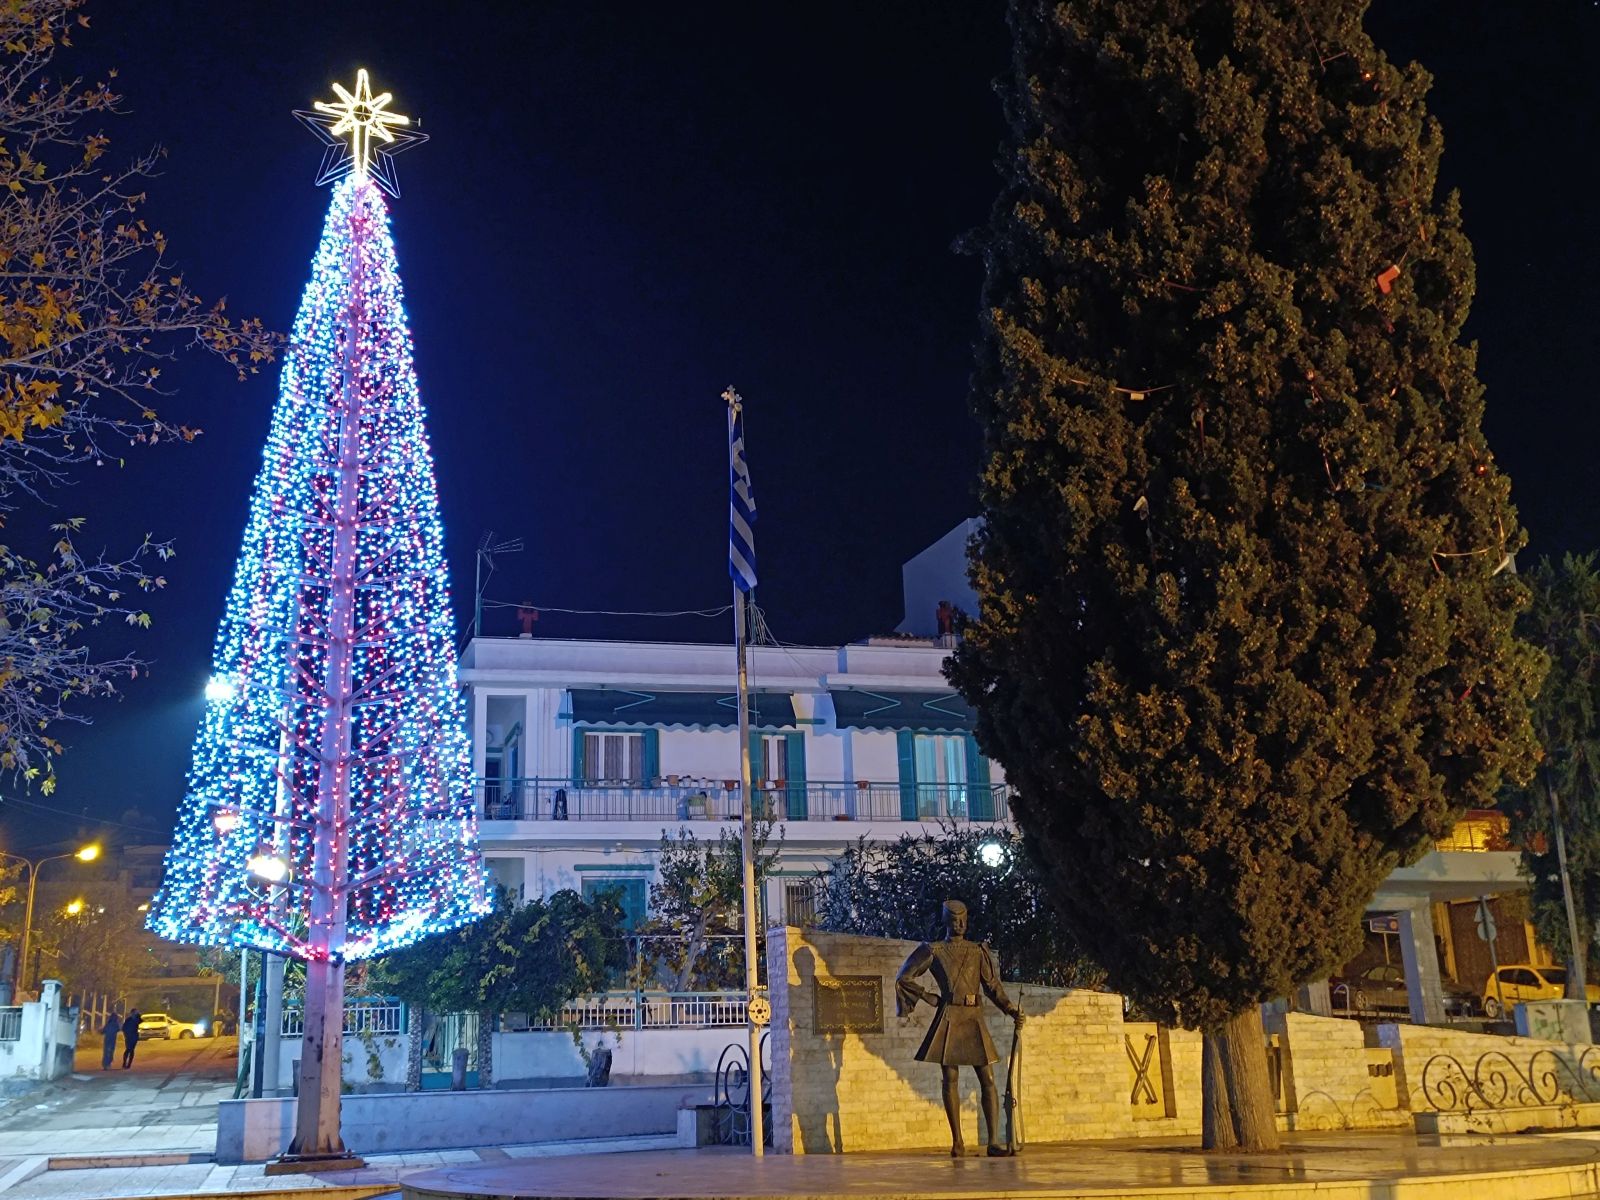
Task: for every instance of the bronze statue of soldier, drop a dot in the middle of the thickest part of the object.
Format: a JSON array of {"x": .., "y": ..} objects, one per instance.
[{"x": 958, "y": 1036}]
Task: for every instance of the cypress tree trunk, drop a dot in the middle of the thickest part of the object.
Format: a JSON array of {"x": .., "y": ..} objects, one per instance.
[
  {"x": 1243, "y": 1052},
  {"x": 1217, "y": 1131}
]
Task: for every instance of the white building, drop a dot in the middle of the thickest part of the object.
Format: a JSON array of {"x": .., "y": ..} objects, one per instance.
[{"x": 587, "y": 751}]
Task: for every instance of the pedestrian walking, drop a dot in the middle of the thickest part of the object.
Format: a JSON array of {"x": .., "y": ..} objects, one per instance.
[
  {"x": 113, "y": 1026},
  {"x": 130, "y": 1038}
]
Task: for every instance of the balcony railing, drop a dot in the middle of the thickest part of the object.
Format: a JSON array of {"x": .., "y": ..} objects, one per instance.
[
  {"x": 1479, "y": 830},
  {"x": 648, "y": 1010},
  {"x": 569, "y": 800}
]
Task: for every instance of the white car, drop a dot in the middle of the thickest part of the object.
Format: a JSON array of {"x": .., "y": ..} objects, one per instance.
[{"x": 160, "y": 1025}]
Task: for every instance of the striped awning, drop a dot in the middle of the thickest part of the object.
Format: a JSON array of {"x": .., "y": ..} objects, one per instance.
[
  {"x": 930, "y": 712},
  {"x": 665, "y": 710}
]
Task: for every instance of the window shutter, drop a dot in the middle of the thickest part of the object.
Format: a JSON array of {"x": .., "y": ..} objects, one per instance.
[
  {"x": 652, "y": 757},
  {"x": 980, "y": 796},
  {"x": 906, "y": 745},
  {"x": 795, "y": 764},
  {"x": 580, "y": 771}
]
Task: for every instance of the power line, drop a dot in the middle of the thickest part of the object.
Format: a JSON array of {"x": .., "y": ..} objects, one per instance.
[
  {"x": 77, "y": 816},
  {"x": 608, "y": 612}
]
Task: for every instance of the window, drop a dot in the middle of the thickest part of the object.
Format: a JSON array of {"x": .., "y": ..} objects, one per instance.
[
  {"x": 771, "y": 758},
  {"x": 612, "y": 757},
  {"x": 941, "y": 766},
  {"x": 800, "y": 903},
  {"x": 630, "y": 894},
  {"x": 1518, "y": 977}
]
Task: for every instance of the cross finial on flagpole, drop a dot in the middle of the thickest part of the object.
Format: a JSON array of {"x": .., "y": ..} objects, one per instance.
[{"x": 735, "y": 401}]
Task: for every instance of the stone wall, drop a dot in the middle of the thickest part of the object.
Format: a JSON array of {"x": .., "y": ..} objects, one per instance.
[
  {"x": 1458, "y": 1057},
  {"x": 1331, "y": 1078},
  {"x": 854, "y": 1090}
]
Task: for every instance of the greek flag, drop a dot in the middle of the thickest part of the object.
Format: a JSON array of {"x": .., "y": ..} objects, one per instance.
[{"x": 741, "y": 506}]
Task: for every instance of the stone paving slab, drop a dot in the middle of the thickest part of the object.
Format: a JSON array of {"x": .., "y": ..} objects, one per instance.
[
  {"x": 1346, "y": 1166},
  {"x": 381, "y": 1174}
]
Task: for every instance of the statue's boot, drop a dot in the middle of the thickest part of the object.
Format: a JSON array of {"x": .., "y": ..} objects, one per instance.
[{"x": 1000, "y": 1151}]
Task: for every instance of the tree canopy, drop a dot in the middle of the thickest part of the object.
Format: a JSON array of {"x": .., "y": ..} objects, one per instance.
[
  {"x": 1564, "y": 621},
  {"x": 693, "y": 936},
  {"x": 1245, "y": 641},
  {"x": 897, "y": 889}
]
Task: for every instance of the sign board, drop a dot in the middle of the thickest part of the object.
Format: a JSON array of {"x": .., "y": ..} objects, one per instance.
[
  {"x": 1486, "y": 926},
  {"x": 1384, "y": 924},
  {"x": 847, "y": 1004}
]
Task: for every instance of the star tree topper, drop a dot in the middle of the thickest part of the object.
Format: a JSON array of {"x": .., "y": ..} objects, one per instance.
[{"x": 361, "y": 137}]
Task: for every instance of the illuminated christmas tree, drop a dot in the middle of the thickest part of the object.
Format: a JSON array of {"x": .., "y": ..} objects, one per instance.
[{"x": 329, "y": 813}]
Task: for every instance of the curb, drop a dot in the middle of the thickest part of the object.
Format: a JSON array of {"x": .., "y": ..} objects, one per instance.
[
  {"x": 157, "y": 1158},
  {"x": 33, "y": 1164}
]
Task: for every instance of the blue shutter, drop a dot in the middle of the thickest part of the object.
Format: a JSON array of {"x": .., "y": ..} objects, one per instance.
[
  {"x": 795, "y": 756},
  {"x": 980, "y": 796},
  {"x": 652, "y": 757},
  {"x": 908, "y": 774}
]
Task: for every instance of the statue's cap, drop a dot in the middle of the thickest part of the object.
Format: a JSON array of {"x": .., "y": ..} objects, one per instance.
[{"x": 954, "y": 908}]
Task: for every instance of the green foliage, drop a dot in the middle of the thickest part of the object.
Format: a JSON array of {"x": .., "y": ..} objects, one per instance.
[
  {"x": 1246, "y": 633},
  {"x": 528, "y": 957},
  {"x": 697, "y": 908},
  {"x": 1564, "y": 621},
  {"x": 896, "y": 890}
]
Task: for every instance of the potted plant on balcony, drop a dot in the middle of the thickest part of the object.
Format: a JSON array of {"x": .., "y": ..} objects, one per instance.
[{"x": 695, "y": 806}]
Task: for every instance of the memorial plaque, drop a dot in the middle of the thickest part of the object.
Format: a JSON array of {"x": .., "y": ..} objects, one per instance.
[{"x": 847, "y": 1004}]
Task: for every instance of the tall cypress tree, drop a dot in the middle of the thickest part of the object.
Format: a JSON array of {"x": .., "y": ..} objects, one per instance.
[{"x": 1245, "y": 641}]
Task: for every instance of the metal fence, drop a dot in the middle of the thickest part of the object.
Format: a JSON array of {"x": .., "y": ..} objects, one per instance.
[
  {"x": 385, "y": 1018},
  {"x": 10, "y": 1024},
  {"x": 648, "y": 1010},
  {"x": 677, "y": 799}
]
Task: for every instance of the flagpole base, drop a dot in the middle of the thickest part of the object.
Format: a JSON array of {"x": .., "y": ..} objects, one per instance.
[{"x": 304, "y": 1164}]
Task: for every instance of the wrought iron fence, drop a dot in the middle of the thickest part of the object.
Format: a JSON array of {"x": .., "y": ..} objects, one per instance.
[
  {"x": 718, "y": 800},
  {"x": 10, "y": 1023},
  {"x": 649, "y": 1010},
  {"x": 387, "y": 1018},
  {"x": 1497, "y": 1080}
]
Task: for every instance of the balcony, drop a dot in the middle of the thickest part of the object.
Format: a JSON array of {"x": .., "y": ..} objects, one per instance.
[{"x": 569, "y": 800}]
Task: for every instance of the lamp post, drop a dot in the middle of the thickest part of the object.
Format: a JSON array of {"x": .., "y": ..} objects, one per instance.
[{"x": 83, "y": 854}]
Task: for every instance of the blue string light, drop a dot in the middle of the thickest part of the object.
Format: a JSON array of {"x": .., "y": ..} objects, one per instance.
[{"x": 333, "y": 739}]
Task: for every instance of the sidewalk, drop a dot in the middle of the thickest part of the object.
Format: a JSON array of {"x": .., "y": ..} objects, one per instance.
[
  {"x": 382, "y": 1173},
  {"x": 168, "y": 1102},
  {"x": 1361, "y": 1165}
]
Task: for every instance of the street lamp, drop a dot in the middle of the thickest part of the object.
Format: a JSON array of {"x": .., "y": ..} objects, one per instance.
[
  {"x": 74, "y": 907},
  {"x": 83, "y": 854}
]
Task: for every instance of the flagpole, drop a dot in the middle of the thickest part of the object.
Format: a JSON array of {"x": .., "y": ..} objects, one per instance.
[{"x": 747, "y": 810}]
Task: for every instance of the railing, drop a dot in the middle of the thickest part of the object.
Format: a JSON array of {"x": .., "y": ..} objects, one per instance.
[
  {"x": 1497, "y": 1080},
  {"x": 649, "y": 1010},
  {"x": 10, "y": 1024},
  {"x": 1479, "y": 830},
  {"x": 715, "y": 800},
  {"x": 386, "y": 1018}
]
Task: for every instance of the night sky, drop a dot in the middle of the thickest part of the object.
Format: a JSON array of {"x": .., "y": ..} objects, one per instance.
[{"x": 624, "y": 207}]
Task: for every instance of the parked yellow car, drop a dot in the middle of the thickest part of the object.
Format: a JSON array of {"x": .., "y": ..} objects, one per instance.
[{"x": 1524, "y": 982}]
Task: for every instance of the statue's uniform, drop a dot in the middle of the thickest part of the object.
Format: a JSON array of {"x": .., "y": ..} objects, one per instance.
[{"x": 964, "y": 971}]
